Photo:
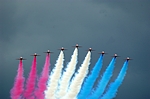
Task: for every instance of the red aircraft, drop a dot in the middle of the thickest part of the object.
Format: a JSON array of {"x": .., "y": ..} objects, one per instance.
[
  {"x": 115, "y": 55},
  {"x": 62, "y": 49},
  {"x": 48, "y": 51},
  {"x": 35, "y": 54},
  {"x": 128, "y": 59},
  {"x": 21, "y": 58},
  {"x": 102, "y": 53},
  {"x": 90, "y": 49},
  {"x": 76, "y": 46}
]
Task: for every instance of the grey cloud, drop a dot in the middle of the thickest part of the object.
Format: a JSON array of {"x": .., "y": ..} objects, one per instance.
[{"x": 116, "y": 27}]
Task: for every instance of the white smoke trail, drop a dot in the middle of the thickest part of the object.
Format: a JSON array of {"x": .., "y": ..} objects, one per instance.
[
  {"x": 54, "y": 78},
  {"x": 78, "y": 79},
  {"x": 64, "y": 82}
]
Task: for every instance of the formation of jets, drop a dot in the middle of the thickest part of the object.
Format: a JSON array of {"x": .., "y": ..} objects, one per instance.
[{"x": 76, "y": 46}]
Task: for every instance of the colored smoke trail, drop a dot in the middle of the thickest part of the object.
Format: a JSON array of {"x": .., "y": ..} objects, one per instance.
[
  {"x": 30, "y": 83},
  {"x": 17, "y": 89},
  {"x": 104, "y": 81},
  {"x": 77, "y": 81},
  {"x": 67, "y": 74},
  {"x": 112, "y": 90},
  {"x": 61, "y": 86},
  {"x": 54, "y": 78},
  {"x": 89, "y": 82},
  {"x": 39, "y": 92}
]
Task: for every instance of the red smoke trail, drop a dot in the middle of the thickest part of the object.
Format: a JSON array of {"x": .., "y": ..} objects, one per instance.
[
  {"x": 39, "y": 93},
  {"x": 17, "y": 89},
  {"x": 30, "y": 83}
]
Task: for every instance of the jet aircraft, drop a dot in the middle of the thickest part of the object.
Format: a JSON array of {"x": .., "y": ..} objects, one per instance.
[
  {"x": 77, "y": 46},
  {"x": 35, "y": 54},
  {"x": 102, "y": 53},
  {"x": 128, "y": 59},
  {"x": 21, "y": 58},
  {"x": 48, "y": 51},
  {"x": 90, "y": 49},
  {"x": 115, "y": 56},
  {"x": 62, "y": 49}
]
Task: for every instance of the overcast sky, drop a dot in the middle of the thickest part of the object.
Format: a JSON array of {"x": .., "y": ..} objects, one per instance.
[{"x": 121, "y": 27}]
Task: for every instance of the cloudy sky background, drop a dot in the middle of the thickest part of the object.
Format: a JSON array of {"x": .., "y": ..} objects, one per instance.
[{"x": 121, "y": 27}]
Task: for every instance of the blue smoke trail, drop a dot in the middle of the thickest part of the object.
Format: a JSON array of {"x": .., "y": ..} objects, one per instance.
[
  {"x": 104, "y": 81},
  {"x": 89, "y": 82},
  {"x": 112, "y": 90}
]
